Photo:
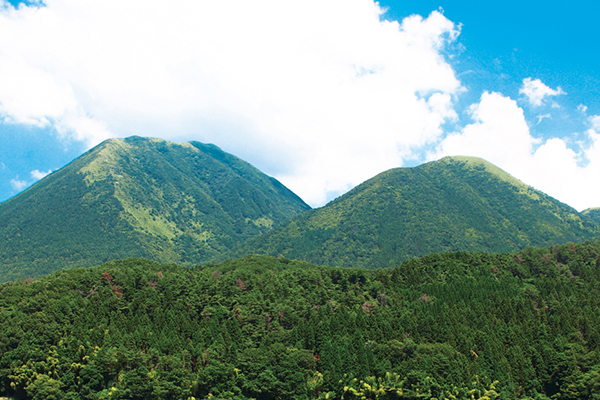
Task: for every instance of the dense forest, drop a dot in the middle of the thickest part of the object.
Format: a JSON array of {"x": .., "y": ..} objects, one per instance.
[{"x": 455, "y": 325}]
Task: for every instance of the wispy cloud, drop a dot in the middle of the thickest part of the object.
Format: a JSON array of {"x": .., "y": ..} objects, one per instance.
[
  {"x": 541, "y": 117},
  {"x": 536, "y": 91},
  {"x": 37, "y": 175},
  {"x": 18, "y": 185}
]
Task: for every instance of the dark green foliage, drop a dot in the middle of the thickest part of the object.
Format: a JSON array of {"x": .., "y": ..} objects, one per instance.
[
  {"x": 457, "y": 203},
  {"x": 454, "y": 325},
  {"x": 138, "y": 197}
]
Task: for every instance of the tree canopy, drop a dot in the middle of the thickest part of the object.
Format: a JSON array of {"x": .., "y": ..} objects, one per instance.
[{"x": 446, "y": 326}]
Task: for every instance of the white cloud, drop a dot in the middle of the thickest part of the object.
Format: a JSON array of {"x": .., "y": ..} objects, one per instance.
[
  {"x": 321, "y": 94},
  {"x": 500, "y": 135},
  {"x": 536, "y": 91},
  {"x": 595, "y": 121},
  {"x": 541, "y": 117},
  {"x": 18, "y": 185},
  {"x": 37, "y": 174}
]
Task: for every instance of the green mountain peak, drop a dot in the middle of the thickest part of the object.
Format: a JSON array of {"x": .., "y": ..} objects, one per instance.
[
  {"x": 593, "y": 213},
  {"x": 456, "y": 203},
  {"x": 478, "y": 164},
  {"x": 140, "y": 197}
]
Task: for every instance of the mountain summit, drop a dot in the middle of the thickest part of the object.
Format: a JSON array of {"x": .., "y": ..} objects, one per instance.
[
  {"x": 456, "y": 203},
  {"x": 140, "y": 197}
]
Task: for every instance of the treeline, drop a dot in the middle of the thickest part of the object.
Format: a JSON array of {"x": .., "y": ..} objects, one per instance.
[{"x": 445, "y": 326}]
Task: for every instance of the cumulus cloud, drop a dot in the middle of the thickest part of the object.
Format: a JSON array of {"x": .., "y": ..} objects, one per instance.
[
  {"x": 17, "y": 184},
  {"x": 536, "y": 91},
  {"x": 37, "y": 174},
  {"x": 500, "y": 134},
  {"x": 323, "y": 95}
]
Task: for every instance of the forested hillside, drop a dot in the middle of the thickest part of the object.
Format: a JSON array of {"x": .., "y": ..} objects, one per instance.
[
  {"x": 447, "y": 326},
  {"x": 139, "y": 197},
  {"x": 454, "y": 204},
  {"x": 593, "y": 213}
]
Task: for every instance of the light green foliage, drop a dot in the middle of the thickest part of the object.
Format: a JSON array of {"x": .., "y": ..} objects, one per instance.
[
  {"x": 477, "y": 390},
  {"x": 478, "y": 164},
  {"x": 386, "y": 387},
  {"x": 261, "y": 222}
]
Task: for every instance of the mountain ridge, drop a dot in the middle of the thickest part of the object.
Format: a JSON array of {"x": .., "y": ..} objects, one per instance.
[{"x": 193, "y": 203}]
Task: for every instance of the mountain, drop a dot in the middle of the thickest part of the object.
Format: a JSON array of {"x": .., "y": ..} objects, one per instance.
[
  {"x": 593, "y": 213},
  {"x": 457, "y": 203},
  {"x": 457, "y": 326},
  {"x": 193, "y": 203},
  {"x": 139, "y": 197}
]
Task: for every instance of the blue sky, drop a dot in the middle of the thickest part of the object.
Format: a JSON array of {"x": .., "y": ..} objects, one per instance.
[
  {"x": 553, "y": 41},
  {"x": 321, "y": 95},
  {"x": 507, "y": 42},
  {"x": 504, "y": 43}
]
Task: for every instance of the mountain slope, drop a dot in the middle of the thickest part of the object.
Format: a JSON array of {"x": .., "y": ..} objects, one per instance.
[
  {"x": 593, "y": 213},
  {"x": 139, "y": 197},
  {"x": 457, "y": 203}
]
